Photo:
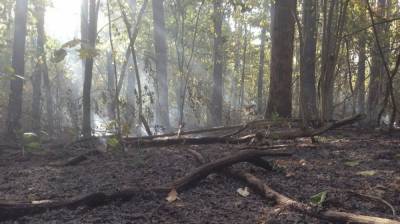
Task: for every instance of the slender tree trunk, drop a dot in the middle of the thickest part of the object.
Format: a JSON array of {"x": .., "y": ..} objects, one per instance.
[
  {"x": 216, "y": 98},
  {"x": 280, "y": 91},
  {"x": 18, "y": 64},
  {"x": 374, "y": 101},
  {"x": 308, "y": 96},
  {"x": 87, "y": 84},
  {"x": 243, "y": 75},
  {"x": 360, "y": 84},
  {"x": 260, "y": 77},
  {"x": 111, "y": 87},
  {"x": 161, "y": 50},
  {"x": 334, "y": 20}
]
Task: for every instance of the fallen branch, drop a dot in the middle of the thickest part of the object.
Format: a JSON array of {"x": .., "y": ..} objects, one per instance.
[
  {"x": 77, "y": 159},
  {"x": 9, "y": 211},
  {"x": 291, "y": 134},
  {"x": 220, "y": 164},
  {"x": 288, "y": 203}
]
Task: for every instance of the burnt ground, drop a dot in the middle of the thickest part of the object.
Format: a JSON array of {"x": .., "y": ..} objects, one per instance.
[{"x": 335, "y": 165}]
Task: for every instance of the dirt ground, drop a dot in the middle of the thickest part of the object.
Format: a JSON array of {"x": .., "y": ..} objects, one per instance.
[{"x": 343, "y": 162}]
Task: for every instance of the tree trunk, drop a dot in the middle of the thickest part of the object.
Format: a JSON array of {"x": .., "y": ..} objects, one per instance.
[
  {"x": 308, "y": 96},
  {"x": 87, "y": 84},
  {"x": 18, "y": 64},
  {"x": 374, "y": 101},
  {"x": 334, "y": 20},
  {"x": 280, "y": 91},
  {"x": 161, "y": 51},
  {"x": 243, "y": 75},
  {"x": 111, "y": 87},
  {"x": 360, "y": 84},
  {"x": 216, "y": 98},
  {"x": 260, "y": 78}
]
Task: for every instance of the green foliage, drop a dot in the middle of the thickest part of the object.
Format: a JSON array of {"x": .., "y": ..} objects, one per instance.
[
  {"x": 113, "y": 143},
  {"x": 319, "y": 198},
  {"x": 31, "y": 141}
]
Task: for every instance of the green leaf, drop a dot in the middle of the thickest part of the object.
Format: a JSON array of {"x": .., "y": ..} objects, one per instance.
[
  {"x": 59, "y": 55},
  {"x": 352, "y": 163},
  {"x": 85, "y": 53},
  {"x": 367, "y": 173},
  {"x": 9, "y": 70},
  {"x": 113, "y": 143},
  {"x": 319, "y": 198},
  {"x": 33, "y": 146},
  {"x": 30, "y": 137}
]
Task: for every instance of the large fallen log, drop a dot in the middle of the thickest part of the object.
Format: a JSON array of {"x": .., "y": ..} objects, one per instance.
[{"x": 286, "y": 134}]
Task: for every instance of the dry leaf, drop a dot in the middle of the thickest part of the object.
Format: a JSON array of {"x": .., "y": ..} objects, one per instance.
[
  {"x": 172, "y": 196},
  {"x": 244, "y": 192},
  {"x": 367, "y": 173}
]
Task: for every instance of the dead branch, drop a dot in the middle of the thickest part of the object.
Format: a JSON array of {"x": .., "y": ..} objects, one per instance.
[
  {"x": 287, "y": 134},
  {"x": 13, "y": 210},
  {"x": 78, "y": 159},
  {"x": 288, "y": 203},
  {"x": 220, "y": 164}
]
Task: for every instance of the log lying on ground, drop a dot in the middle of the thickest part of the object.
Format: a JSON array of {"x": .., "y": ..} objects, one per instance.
[
  {"x": 15, "y": 210},
  {"x": 286, "y": 202},
  {"x": 291, "y": 134},
  {"x": 77, "y": 159},
  {"x": 290, "y": 204}
]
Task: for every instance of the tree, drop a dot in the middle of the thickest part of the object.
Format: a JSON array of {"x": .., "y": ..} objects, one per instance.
[
  {"x": 334, "y": 20},
  {"x": 87, "y": 83},
  {"x": 161, "y": 50},
  {"x": 376, "y": 88},
  {"x": 18, "y": 64},
  {"x": 217, "y": 86},
  {"x": 308, "y": 96},
  {"x": 280, "y": 90},
  {"x": 260, "y": 78}
]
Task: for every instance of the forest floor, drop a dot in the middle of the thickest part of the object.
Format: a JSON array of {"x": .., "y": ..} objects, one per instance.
[{"x": 358, "y": 169}]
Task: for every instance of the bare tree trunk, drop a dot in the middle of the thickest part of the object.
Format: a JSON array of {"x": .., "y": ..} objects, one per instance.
[
  {"x": 111, "y": 87},
  {"x": 216, "y": 98},
  {"x": 161, "y": 50},
  {"x": 334, "y": 20},
  {"x": 280, "y": 91},
  {"x": 18, "y": 64},
  {"x": 243, "y": 75},
  {"x": 360, "y": 84},
  {"x": 260, "y": 78},
  {"x": 308, "y": 96},
  {"x": 87, "y": 84}
]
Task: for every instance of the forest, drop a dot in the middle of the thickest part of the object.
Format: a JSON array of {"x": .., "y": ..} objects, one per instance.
[{"x": 200, "y": 111}]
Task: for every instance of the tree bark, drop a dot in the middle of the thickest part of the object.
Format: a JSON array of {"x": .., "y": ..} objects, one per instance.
[
  {"x": 360, "y": 84},
  {"x": 161, "y": 51},
  {"x": 18, "y": 64},
  {"x": 217, "y": 86},
  {"x": 308, "y": 96},
  {"x": 87, "y": 84},
  {"x": 260, "y": 77},
  {"x": 280, "y": 91}
]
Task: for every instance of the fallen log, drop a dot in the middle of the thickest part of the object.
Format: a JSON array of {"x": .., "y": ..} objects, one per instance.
[
  {"x": 14, "y": 210},
  {"x": 287, "y": 134},
  {"x": 288, "y": 203},
  {"x": 220, "y": 164}
]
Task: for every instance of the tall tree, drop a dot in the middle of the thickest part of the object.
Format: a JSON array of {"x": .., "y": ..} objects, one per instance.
[
  {"x": 360, "y": 83},
  {"x": 18, "y": 64},
  {"x": 280, "y": 90},
  {"x": 334, "y": 20},
  {"x": 87, "y": 83},
  {"x": 217, "y": 86},
  {"x": 374, "y": 101},
  {"x": 308, "y": 96},
  {"x": 260, "y": 77},
  {"x": 161, "y": 50}
]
